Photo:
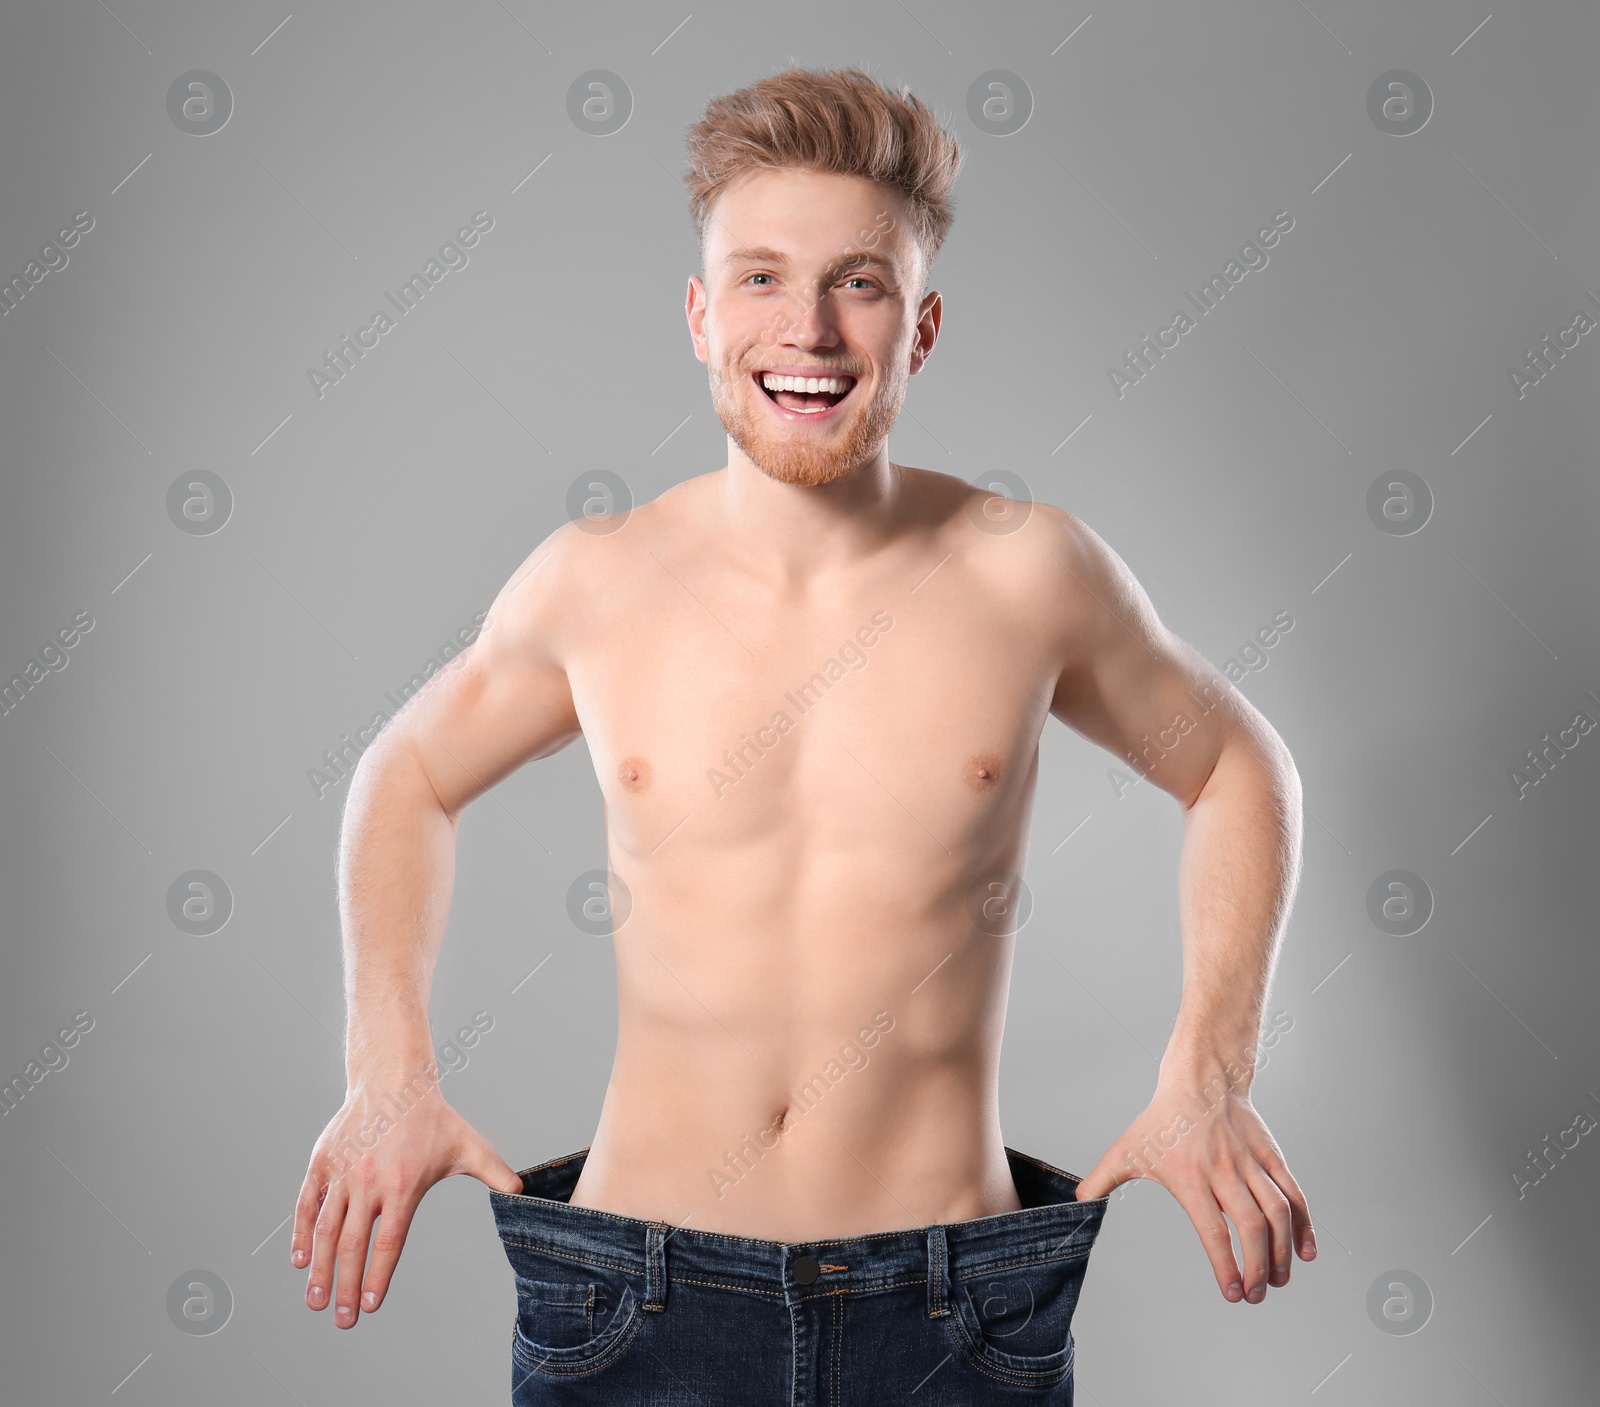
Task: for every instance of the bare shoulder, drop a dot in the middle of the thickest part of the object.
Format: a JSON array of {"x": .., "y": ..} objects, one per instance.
[
  {"x": 1049, "y": 556},
  {"x": 581, "y": 572}
]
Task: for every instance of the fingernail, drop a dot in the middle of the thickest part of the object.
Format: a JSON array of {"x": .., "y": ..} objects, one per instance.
[
  {"x": 344, "y": 1314},
  {"x": 1235, "y": 1290},
  {"x": 369, "y": 1299},
  {"x": 299, "y": 1257},
  {"x": 318, "y": 1295},
  {"x": 1256, "y": 1295},
  {"x": 1309, "y": 1244}
]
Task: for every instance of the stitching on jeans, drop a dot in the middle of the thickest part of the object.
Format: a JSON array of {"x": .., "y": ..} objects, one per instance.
[
  {"x": 838, "y": 1342},
  {"x": 726, "y": 1285},
  {"x": 1019, "y": 1377},
  {"x": 563, "y": 1255},
  {"x": 524, "y": 1354},
  {"x": 794, "y": 1353},
  {"x": 778, "y": 1294},
  {"x": 986, "y": 1266}
]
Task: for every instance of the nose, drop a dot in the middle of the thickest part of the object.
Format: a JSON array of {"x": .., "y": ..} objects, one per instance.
[{"x": 804, "y": 322}]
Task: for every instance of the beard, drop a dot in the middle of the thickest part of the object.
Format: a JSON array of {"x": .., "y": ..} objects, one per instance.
[{"x": 798, "y": 455}]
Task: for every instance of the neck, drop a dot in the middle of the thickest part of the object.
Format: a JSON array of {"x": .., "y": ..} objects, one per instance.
[{"x": 800, "y": 531}]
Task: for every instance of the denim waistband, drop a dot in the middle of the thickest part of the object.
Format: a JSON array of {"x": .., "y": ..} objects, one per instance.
[{"x": 1050, "y": 1225}]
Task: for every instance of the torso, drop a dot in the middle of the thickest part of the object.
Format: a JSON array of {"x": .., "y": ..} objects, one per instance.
[{"x": 814, "y": 949}]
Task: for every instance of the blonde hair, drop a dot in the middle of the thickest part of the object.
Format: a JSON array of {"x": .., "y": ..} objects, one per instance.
[{"x": 834, "y": 120}]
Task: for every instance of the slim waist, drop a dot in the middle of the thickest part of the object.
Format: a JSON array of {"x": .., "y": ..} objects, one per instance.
[{"x": 1050, "y": 1225}]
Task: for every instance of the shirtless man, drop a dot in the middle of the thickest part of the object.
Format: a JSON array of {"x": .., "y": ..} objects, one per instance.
[{"x": 812, "y": 684}]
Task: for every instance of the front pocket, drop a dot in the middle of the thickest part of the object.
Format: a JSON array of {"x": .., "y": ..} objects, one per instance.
[
  {"x": 1016, "y": 1320},
  {"x": 564, "y": 1315},
  {"x": 573, "y": 1316}
]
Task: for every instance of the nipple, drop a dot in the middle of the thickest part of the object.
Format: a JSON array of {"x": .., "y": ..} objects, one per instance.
[
  {"x": 634, "y": 773},
  {"x": 982, "y": 771}
]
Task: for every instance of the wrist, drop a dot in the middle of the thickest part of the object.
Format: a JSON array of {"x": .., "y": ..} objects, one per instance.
[
  {"x": 396, "y": 1051},
  {"x": 1212, "y": 1062}
]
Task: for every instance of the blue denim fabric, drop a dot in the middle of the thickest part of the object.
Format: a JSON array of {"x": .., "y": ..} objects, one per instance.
[{"x": 615, "y": 1310}]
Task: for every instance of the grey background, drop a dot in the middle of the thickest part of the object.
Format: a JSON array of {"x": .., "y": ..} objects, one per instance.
[{"x": 370, "y": 524}]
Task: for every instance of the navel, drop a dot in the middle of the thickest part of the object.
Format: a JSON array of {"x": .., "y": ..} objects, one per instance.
[
  {"x": 634, "y": 773},
  {"x": 982, "y": 771}
]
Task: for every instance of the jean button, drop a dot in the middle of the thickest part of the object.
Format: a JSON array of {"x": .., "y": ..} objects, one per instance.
[{"x": 806, "y": 1270}]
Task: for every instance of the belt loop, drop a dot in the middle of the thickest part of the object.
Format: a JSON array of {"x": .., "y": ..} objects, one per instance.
[
  {"x": 936, "y": 1273},
  {"x": 655, "y": 1266}
]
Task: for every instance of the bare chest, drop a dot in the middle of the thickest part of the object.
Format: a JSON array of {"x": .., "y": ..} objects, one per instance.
[{"x": 903, "y": 714}]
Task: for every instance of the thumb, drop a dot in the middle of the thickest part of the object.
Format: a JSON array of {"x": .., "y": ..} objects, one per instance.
[
  {"x": 1105, "y": 1177},
  {"x": 481, "y": 1161}
]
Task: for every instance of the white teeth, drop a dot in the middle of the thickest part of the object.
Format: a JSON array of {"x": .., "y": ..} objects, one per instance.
[{"x": 827, "y": 385}]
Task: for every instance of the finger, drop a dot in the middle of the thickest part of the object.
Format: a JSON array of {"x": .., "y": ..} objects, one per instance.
[
  {"x": 353, "y": 1258},
  {"x": 1107, "y": 1175},
  {"x": 1280, "y": 1223},
  {"x": 305, "y": 1213},
  {"x": 478, "y": 1159},
  {"x": 1206, "y": 1214},
  {"x": 1239, "y": 1202},
  {"x": 1305, "y": 1239},
  {"x": 325, "y": 1235},
  {"x": 394, "y": 1221}
]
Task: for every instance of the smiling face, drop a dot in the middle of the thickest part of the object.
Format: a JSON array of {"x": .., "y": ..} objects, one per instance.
[{"x": 810, "y": 272}]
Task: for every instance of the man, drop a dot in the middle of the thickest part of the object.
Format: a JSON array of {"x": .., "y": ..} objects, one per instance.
[{"x": 812, "y": 684}]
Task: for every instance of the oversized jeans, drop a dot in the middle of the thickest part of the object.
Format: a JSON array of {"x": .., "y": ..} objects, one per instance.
[{"x": 618, "y": 1311}]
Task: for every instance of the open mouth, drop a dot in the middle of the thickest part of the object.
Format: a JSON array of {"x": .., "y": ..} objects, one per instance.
[{"x": 793, "y": 394}]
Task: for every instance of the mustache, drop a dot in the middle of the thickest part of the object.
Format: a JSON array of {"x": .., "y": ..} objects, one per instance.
[{"x": 820, "y": 371}]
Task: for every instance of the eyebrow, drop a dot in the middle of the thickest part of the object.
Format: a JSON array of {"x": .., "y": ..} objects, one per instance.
[{"x": 850, "y": 259}]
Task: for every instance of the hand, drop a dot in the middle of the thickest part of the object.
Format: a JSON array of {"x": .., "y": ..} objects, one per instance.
[
  {"x": 1215, "y": 1155},
  {"x": 354, "y": 1183}
]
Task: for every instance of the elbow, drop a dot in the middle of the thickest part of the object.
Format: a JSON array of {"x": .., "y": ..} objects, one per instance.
[{"x": 1255, "y": 758}]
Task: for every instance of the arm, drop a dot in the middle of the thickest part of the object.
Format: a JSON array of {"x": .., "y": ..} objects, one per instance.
[
  {"x": 1127, "y": 679},
  {"x": 502, "y": 702}
]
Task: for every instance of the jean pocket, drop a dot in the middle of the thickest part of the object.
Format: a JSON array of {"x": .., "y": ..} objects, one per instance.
[
  {"x": 1014, "y": 1321},
  {"x": 573, "y": 1316}
]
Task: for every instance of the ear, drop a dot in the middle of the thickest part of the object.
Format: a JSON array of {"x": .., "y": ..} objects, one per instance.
[
  {"x": 927, "y": 332},
  {"x": 695, "y": 311}
]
